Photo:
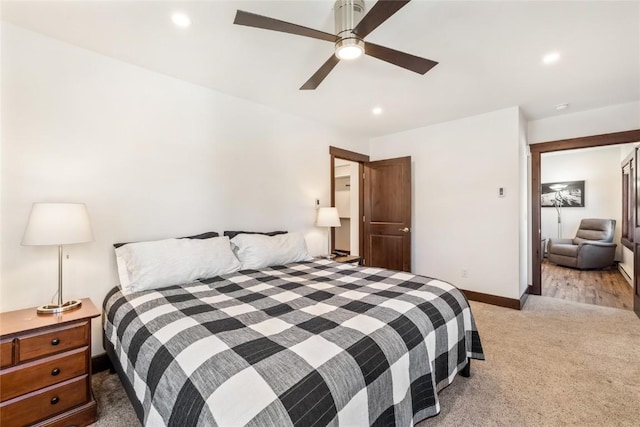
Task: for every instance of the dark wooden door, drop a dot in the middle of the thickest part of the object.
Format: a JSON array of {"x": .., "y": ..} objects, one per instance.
[
  {"x": 635, "y": 180},
  {"x": 387, "y": 214}
]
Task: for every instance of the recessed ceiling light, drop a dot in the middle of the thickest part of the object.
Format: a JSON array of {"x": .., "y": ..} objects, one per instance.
[
  {"x": 562, "y": 106},
  {"x": 377, "y": 111},
  {"x": 181, "y": 20},
  {"x": 551, "y": 58}
]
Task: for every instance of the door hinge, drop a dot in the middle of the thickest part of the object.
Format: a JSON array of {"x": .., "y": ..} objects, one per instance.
[
  {"x": 362, "y": 175},
  {"x": 363, "y": 218}
]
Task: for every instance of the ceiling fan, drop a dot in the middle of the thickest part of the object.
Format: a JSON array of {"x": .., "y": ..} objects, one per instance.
[{"x": 352, "y": 26}]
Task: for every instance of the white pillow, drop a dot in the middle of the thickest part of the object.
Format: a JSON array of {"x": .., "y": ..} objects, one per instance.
[
  {"x": 257, "y": 251},
  {"x": 123, "y": 274},
  {"x": 162, "y": 263}
]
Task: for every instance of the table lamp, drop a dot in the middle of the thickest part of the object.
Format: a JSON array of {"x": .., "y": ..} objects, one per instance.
[
  {"x": 57, "y": 224},
  {"x": 328, "y": 217}
]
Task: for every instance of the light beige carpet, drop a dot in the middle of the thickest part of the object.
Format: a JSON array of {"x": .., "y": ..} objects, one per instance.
[{"x": 555, "y": 363}]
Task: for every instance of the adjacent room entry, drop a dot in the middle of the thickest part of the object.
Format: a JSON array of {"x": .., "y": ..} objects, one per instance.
[
  {"x": 346, "y": 192},
  {"x": 384, "y": 194},
  {"x": 630, "y": 205}
]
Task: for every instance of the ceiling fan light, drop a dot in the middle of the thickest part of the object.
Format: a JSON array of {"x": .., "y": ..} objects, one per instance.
[
  {"x": 351, "y": 48},
  {"x": 349, "y": 52}
]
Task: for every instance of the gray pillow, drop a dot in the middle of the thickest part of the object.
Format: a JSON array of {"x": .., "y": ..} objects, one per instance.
[{"x": 233, "y": 234}]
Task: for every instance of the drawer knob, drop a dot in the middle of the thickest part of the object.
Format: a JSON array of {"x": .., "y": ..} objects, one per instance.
[
  {"x": 55, "y": 341},
  {"x": 55, "y": 400},
  {"x": 55, "y": 372}
]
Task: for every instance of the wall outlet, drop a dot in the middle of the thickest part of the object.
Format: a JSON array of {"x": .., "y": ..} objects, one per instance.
[{"x": 464, "y": 273}]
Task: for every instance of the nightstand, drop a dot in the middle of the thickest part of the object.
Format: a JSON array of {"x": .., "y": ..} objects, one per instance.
[
  {"x": 349, "y": 259},
  {"x": 45, "y": 368}
]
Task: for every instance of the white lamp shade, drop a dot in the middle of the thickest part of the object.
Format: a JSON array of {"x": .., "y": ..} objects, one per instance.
[
  {"x": 328, "y": 217},
  {"x": 57, "y": 224}
]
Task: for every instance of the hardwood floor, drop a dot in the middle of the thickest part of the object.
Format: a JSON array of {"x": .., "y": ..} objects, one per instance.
[{"x": 599, "y": 287}]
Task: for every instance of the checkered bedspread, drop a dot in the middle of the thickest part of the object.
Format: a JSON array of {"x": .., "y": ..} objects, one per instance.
[{"x": 316, "y": 343}]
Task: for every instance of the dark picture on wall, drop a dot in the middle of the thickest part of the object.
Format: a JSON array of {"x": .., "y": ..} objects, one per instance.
[{"x": 568, "y": 194}]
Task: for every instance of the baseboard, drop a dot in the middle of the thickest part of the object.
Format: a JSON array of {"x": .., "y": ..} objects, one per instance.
[
  {"x": 626, "y": 275},
  {"x": 100, "y": 363},
  {"x": 513, "y": 303},
  {"x": 525, "y": 296}
]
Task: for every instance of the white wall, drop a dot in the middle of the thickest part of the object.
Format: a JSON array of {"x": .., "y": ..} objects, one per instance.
[
  {"x": 614, "y": 118},
  {"x": 600, "y": 169},
  {"x": 151, "y": 156},
  {"x": 525, "y": 204},
  {"x": 459, "y": 222}
]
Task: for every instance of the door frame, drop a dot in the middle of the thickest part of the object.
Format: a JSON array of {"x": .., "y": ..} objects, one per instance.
[
  {"x": 547, "y": 147},
  {"x": 361, "y": 159}
]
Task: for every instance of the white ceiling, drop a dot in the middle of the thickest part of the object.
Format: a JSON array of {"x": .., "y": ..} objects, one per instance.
[{"x": 489, "y": 54}]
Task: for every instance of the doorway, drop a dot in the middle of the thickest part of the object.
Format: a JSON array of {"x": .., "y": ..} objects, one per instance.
[
  {"x": 576, "y": 185},
  {"x": 536, "y": 185},
  {"x": 383, "y": 207},
  {"x": 347, "y": 167},
  {"x": 347, "y": 200}
]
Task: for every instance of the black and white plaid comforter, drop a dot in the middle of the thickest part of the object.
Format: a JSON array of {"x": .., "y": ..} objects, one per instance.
[{"x": 316, "y": 343}]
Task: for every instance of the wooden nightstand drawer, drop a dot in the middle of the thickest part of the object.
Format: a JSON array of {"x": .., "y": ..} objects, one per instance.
[
  {"x": 45, "y": 379},
  {"x": 51, "y": 341},
  {"x": 6, "y": 353},
  {"x": 45, "y": 403},
  {"x": 42, "y": 373}
]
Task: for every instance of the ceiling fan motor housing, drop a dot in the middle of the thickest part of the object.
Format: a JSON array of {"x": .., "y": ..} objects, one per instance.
[{"x": 348, "y": 14}]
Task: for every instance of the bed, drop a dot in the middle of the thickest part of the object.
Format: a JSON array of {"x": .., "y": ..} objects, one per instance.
[{"x": 307, "y": 343}]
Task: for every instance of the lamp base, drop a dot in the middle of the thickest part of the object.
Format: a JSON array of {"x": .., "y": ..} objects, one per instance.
[{"x": 55, "y": 308}]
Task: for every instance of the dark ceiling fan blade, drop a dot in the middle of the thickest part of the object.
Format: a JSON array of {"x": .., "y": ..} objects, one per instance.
[
  {"x": 401, "y": 59},
  {"x": 320, "y": 75},
  {"x": 380, "y": 12},
  {"x": 258, "y": 21}
]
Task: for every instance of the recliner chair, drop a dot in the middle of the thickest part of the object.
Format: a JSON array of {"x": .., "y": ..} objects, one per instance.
[{"x": 591, "y": 248}]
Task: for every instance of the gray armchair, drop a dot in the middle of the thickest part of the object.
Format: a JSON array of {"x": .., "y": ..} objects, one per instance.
[{"x": 591, "y": 248}]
